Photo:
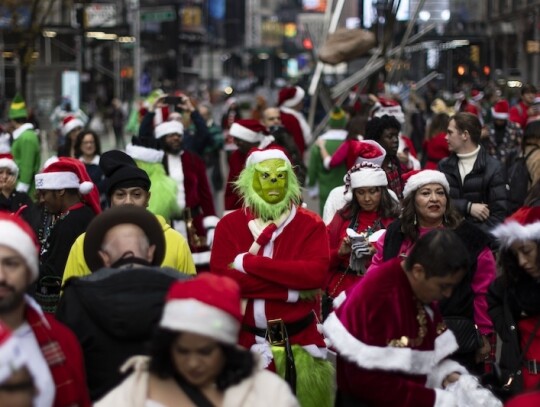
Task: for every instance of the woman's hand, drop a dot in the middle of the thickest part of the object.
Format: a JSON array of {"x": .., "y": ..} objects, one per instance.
[
  {"x": 345, "y": 247},
  {"x": 482, "y": 354},
  {"x": 479, "y": 211},
  {"x": 9, "y": 185},
  {"x": 451, "y": 378}
]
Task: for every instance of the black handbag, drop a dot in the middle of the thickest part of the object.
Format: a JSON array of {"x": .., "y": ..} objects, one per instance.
[{"x": 466, "y": 332}]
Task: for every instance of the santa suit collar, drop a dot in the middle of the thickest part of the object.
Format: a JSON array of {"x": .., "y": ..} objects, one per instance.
[{"x": 306, "y": 131}]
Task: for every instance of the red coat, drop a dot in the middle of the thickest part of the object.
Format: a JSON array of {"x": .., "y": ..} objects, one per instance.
[
  {"x": 367, "y": 330},
  {"x": 292, "y": 125},
  {"x": 435, "y": 150},
  {"x": 295, "y": 259},
  {"x": 525, "y": 400}
]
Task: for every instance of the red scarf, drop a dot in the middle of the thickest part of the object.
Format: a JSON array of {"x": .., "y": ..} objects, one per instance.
[{"x": 67, "y": 392}]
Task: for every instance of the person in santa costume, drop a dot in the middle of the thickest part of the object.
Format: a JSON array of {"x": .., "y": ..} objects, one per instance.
[
  {"x": 514, "y": 299},
  {"x": 290, "y": 103},
  {"x": 391, "y": 341},
  {"x": 246, "y": 134},
  {"x": 194, "y": 358},
  {"x": 53, "y": 353},
  {"x": 278, "y": 253},
  {"x": 67, "y": 193}
]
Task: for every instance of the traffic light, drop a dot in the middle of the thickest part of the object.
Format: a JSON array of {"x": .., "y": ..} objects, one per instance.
[
  {"x": 487, "y": 70},
  {"x": 307, "y": 44},
  {"x": 461, "y": 70}
]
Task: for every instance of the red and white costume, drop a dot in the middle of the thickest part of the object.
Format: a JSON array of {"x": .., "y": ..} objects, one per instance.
[
  {"x": 296, "y": 258},
  {"x": 293, "y": 120},
  {"x": 376, "y": 364}
]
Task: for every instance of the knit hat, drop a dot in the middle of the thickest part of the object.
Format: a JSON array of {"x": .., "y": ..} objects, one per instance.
[
  {"x": 416, "y": 179},
  {"x": 501, "y": 110},
  {"x": 291, "y": 96},
  {"x": 17, "y": 109},
  {"x": 125, "y": 214},
  {"x": 69, "y": 123},
  {"x": 248, "y": 130},
  {"x": 368, "y": 151},
  {"x": 207, "y": 305},
  {"x": 524, "y": 224},
  {"x": 12, "y": 357},
  {"x": 365, "y": 175},
  {"x": 6, "y": 161},
  {"x": 69, "y": 173},
  {"x": 16, "y": 234},
  {"x": 258, "y": 155},
  {"x": 169, "y": 127},
  {"x": 121, "y": 171},
  {"x": 338, "y": 118}
]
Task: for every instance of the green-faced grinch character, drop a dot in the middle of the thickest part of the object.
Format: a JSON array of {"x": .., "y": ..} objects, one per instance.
[{"x": 278, "y": 253}]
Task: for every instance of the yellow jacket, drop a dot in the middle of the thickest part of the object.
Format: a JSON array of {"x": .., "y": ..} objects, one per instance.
[{"x": 177, "y": 254}]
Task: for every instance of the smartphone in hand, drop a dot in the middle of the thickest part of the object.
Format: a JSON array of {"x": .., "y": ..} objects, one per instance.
[{"x": 173, "y": 100}]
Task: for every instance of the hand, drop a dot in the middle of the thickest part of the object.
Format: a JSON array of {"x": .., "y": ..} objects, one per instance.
[
  {"x": 9, "y": 185},
  {"x": 321, "y": 143},
  {"x": 479, "y": 211},
  {"x": 451, "y": 378},
  {"x": 158, "y": 103},
  {"x": 482, "y": 354},
  {"x": 345, "y": 247},
  {"x": 186, "y": 104},
  {"x": 403, "y": 157}
]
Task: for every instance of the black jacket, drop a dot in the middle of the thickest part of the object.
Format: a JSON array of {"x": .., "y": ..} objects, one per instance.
[
  {"x": 113, "y": 313},
  {"x": 484, "y": 184}
]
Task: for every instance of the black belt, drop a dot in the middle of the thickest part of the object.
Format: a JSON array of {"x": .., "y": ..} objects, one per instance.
[{"x": 292, "y": 328}]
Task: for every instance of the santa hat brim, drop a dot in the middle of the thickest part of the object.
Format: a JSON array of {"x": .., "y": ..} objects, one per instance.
[
  {"x": 17, "y": 239},
  {"x": 243, "y": 133},
  {"x": 271, "y": 154},
  {"x": 62, "y": 180},
  {"x": 509, "y": 232},
  {"x": 9, "y": 164},
  {"x": 368, "y": 177},
  {"x": 72, "y": 124},
  {"x": 424, "y": 178},
  {"x": 297, "y": 98},
  {"x": 499, "y": 115}
]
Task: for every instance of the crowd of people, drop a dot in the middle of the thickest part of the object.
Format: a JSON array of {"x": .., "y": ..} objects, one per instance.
[{"x": 122, "y": 284}]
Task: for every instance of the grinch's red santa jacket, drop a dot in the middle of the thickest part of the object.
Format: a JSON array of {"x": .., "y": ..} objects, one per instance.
[
  {"x": 295, "y": 259},
  {"x": 391, "y": 349}
]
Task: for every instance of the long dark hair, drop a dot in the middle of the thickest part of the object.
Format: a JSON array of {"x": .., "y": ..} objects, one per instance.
[
  {"x": 79, "y": 139},
  {"x": 513, "y": 273},
  {"x": 410, "y": 228},
  {"x": 388, "y": 207},
  {"x": 439, "y": 124},
  {"x": 239, "y": 363}
]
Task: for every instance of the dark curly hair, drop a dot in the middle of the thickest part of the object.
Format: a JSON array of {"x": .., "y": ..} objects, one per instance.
[
  {"x": 377, "y": 125},
  {"x": 388, "y": 208},
  {"x": 239, "y": 363},
  {"x": 451, "y": 216},
  {"x": 79, "y": 139}
]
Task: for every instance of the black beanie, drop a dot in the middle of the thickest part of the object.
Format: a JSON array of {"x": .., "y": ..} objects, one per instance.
[{"x": 121, "y": 171}]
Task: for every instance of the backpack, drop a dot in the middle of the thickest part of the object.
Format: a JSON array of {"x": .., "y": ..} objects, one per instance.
[{"x": 518, "y": 182}]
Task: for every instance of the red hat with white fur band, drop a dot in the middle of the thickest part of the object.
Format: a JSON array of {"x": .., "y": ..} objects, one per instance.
[
  {"x": 291, "y": 96},
  {"x": 207, "y": 305},
  {"x": 6, "y": 161},
  {"x": 415, "y": 180},
  {"x": 248, "y": 130},
  {"x": 524, "y": 224}
]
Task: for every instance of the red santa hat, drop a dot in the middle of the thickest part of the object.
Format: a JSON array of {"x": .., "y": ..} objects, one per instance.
[
  {"x": 69, "y": 173},
  {"x": 477, "y": 95},
  {"x": 12, "y": 357},
  {"x": 248, "y": 130},
  {"x": 368, "y": 151},
  {"x": 388, "y": 107},
  {"x": 19, "y": 236},
  {"x": 415, "y": 180},
  {"x": 6, "y": 161},
  {"x": 291, "y": 96},
  {"x": 207, "y": 305},
  {"x": 501, "y": 110},
  {"x": 257, "y": 155},
  {"x": 471, "y": 108},
  {"x": 365, "y": 175},
  {"x": 69, "y": 123},
  {"x": 524, "y": 224},
  {"x": 169, "y": 127}
]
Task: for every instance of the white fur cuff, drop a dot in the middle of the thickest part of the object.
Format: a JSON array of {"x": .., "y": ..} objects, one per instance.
[
  {"x": 22, "y": 187},
  {"x": 210, "y": 222},
  {"x": 239, "y": 262},
  {"x": 293, "y": 296}
]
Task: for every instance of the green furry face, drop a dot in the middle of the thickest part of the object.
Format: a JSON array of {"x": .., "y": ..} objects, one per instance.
[{"x": 271, "y": 180}]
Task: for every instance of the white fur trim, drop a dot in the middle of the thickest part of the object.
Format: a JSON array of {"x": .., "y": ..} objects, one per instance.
[
  {"x": 387, "y": 358},
  {"x": 510, "y": 232},
  {"x": 17, "y": 239},
  {"x": 169, "y": 127},
  {"x": 195, "y": 316},
  {"x": 425, "y": 177},
  {"x": 306, "y": 130},
  {"x": 86, "y": 187},
  {"x": 369, "y": 177},
  {"x": 444, "y": 399},
  {"x": 334, "y": 134},
  {"x": 499, "y": 115},
  {"x": 17, "y": 132},
  {"x": 326, "y": 162},
  {"x": 263, "y": 155},
  {"x": 478, "y": 97},
  {"x": 176, "y": 172},
  {"x": 57, "y": 180},
  {"x": 145, "y": 154},
  {"x": 441, "y": 371},
  {"x": 243, "y": 133},
  {"x": 297, "y": 98},
  {"x": 72, "y": 124},
  {"x": 210, "y": 236},
  {"x": 210, "y": 221},
  {"x": 340, "y": 299},
  {"x": 266, "y": 141},
  {"x": 293, "y": 295},
  {"x": 22, "y": 187},
  {"x": 11, "y": 356},
  {"x": 10, "y": 165},
  {"x": 201, "y": 258},
  {"x": 239, "y": 262},
  {"x": 376, "y": 160}
]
